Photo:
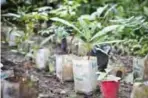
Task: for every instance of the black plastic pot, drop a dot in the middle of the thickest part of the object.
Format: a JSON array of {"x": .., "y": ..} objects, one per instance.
[{"x": 102, "y": 57}]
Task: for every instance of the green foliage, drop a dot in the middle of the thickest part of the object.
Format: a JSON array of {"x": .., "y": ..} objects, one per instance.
[
  {"x": 59, "y": 34},
  {"x": 134, "y": 31},
  {"x": 27, "y": 21},
  {"x": 88, "y": 33},
  {"x": 91, "y": 20},
  {"x": 66, "y": 11},
  {"x": 106, "y": 76}
]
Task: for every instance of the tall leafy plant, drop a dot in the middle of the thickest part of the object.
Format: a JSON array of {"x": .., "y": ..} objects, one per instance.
[
  {"x": 89, "y": 34},
  {"x": 60, "y": 33}
]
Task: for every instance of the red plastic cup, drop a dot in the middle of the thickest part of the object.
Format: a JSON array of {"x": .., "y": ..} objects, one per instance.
[{"x": 110, "y": 89}]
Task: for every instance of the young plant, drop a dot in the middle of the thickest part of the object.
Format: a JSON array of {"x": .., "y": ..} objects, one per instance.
[
  {"x": 105, "y": 76},
  {"x": 27, "y": 22},
  {"x": 90, "y": 34},
  {"x": 59, "y": 33}
]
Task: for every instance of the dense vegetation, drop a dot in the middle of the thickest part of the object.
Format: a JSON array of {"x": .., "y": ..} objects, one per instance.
[{"x": 122, "y": 23}]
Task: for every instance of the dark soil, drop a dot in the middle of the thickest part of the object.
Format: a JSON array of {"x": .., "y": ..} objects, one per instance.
[{"x": 47, "y": 85}]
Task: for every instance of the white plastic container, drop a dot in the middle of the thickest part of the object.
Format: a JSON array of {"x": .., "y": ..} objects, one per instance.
[
  {"x": 64, "y": 67},
  {"x": 41, "y": 58},
  {"x": 85, "y": 78},
  {"x": 146, "y": 68},
  {"x": 13, "y": 35},
  {"x": 12, "y": 39},
  {"x": 138, "y": 68},
  {"x": 59, "y": 66},
  {"x": 67, "y": 68},
  {"x": 140, "y": 90}
]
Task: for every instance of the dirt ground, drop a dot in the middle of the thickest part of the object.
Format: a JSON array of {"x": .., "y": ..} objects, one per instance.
[{"x": 48, "y": 85}]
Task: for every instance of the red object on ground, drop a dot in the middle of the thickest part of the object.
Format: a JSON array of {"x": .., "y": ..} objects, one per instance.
[{"x": 110, "y": 89}]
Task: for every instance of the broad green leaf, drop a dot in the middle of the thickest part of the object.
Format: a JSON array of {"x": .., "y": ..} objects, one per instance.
[
  {"x": 87, "y": 17},
  {"x": 105, "y": 76},
  {"x": 44, "y": 8},
  {"x": 11, "y": 15},
  {"x": 109, "y": 42},
  {"x": 110, "y": 9},
  {"x": 84, "y": 28},
  {"x": 47, "y": 39},
  {"x": 66, "y": 23},
  {"x": 121, "y": 20},
  {"x": 15, "y": 51},
  {"x": 101, "y": 76},
  {"x": 104, "y": 31},
  {"x": 100, "y": 10}
]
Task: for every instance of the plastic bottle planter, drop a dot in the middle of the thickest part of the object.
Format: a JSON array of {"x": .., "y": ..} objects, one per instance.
[
  {"x": 12, "y": 39},
  {"x": 146, "y": 68},
  {"x": 10, "y": 89},
  {"x": 64, "y": 67},
  {"x": 138, "y": 68},
  {"x": 67, "y": 68},
  {"x": 41, "y": 58},
  {"x": 59, "y": 61},
  {"x": 51, "y": 65},
  {"x": 140, "y": 90},
  {"x": 109, "y": 89},
  {"x": 12, "y": 36},
  {"x": 85, "y": 78}
]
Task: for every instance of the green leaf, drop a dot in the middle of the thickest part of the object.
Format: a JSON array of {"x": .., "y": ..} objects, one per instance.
[
  {"x": 105, "y": 76},
  {"x": 101, "y": 76},
  {"x": 66, "y": 23},
  {"x": 105, "y": 31},
  {"x": 47, "y": 39},
  {"x": 84, "y": 28},
  {"x": 87, "y": 17},
  {"x": 110, "y": 9},
  {"x": 44, "y": 8},
  {"x": 100, "y": 10},
  {"x": 109, "y": 42},
  {"x": 11, "y": 15}
]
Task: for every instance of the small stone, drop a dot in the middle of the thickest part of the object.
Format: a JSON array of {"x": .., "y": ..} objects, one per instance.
[
  {"x": 57, "y": 91},
  {"x": 34, "y": 78},
  {"x": 45, "y": 95},
  {"x": 63, "y": 92}
]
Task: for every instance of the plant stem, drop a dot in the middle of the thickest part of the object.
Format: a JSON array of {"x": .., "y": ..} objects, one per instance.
[
  {"x": 71, "y": 43},
  {"x": 88, "y": 55}
]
